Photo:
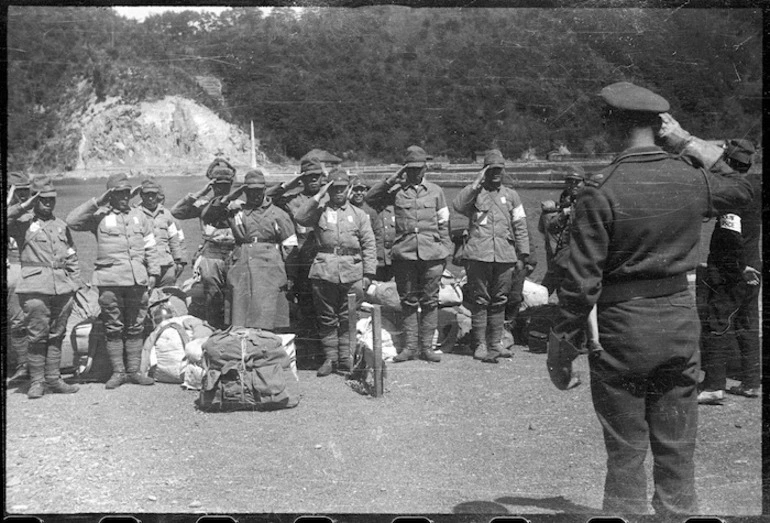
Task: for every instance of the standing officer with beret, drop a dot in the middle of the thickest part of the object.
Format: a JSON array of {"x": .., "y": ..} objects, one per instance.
[
  {"x": 635, "y": 235},
  {"x": 127, "y": 267},
  {"x": 50, "y": 276},
  {"x": 258, "y": 279},
  {"x": 497, "y": 246},
  {"x": 286, "y": 197},
  {"x": 16, "y": 333},
  {"x": 168, "y": 233},
  {"x": 345, "y": 264},
  {"x": 420, "y": 250},
  {"x": 213, "y": 261}
]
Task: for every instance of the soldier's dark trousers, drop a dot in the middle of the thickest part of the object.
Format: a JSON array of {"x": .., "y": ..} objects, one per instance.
[
  {"x": 418, "y": 282},
  {"x": 16, "y": 335},
  {"x": 489, "y": 285},
  {"x": 331, "y": 303},
  {"x": 209, "y": 301},
  {"x": 515, "y": 296},
  {"x": 644, "y": 391},
  {"x": 124, "y": 309},
  {"x": 46, "y": 321},
  {"x": 732, "y": 312}
]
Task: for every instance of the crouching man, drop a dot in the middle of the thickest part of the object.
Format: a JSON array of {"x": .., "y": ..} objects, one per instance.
[
  {"x": 345, "y": 263},
  {"x": 50, "y": 276},
  {"x": 126, "y": 268}
]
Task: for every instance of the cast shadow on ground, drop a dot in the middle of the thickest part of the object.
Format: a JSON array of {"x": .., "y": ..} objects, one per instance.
[{"x": 558, "y": 504}]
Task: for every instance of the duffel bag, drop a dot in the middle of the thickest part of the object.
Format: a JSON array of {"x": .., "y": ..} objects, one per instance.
[{"x": 246, "y": 369}]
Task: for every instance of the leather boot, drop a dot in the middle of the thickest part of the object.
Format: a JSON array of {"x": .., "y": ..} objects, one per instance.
[
  {"x": 36, "y": 365},
  {"x": 409, "y": 326},
  {"x": 479, "y": 331},
  {"x": 115, "y": 352},
  {"x": 428, "y": 325},
  {"x": 19, "y": 348},
  {"x": 53, "y": 382},
  {"x": 133, "y": 362},
  {"x": 494, "y": 334},
  {"x": 329, "y": 342}
]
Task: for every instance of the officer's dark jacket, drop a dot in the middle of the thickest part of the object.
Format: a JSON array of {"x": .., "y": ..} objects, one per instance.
[{"x": 637, "y": 227}]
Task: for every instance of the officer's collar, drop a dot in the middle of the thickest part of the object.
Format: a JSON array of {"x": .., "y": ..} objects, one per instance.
[
  {"x": 415, "y": 185},
  {"x": 646, "y": 150}
]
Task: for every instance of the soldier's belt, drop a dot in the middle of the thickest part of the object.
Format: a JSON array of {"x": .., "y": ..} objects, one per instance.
[
  {"x": 342, "y": 251},
  {"x": 259, "y": 240},
  {"x": 614, "y": 292},
  {"x": 52, "y": 265}
]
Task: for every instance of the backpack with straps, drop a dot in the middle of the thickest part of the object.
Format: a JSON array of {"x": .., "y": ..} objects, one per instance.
[{"x": 247, "y": 369}]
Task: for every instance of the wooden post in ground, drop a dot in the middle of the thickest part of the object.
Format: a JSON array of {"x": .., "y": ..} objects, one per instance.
[
  {"x": 352, "y": 320},
  {"x": 377, "y": 349}
]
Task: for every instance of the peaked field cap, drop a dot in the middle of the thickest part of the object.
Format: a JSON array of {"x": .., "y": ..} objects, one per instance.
[
  {"x": 626, "y": 96},
  {"x": 18, "y": 179},
  {"x": 43, "y": 185},
  {"x": 415, "y": 156},
  {"x": 740, "y": 150},
  {"x": 118, "y": 181},
  {"x": 311, "y": 165},
  {"x": 356, "y": 181},
  {"x": 222, "y": 174},
  {"x": 494, "y": 158},
  {"x": 254, "y": 179},
  {"x": 150, "y": 185},
  {"x": 339, "y": 177},
  {"x": 574, "y": 172}
]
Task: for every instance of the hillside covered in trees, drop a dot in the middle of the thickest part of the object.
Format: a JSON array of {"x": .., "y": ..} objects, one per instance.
[{"x": 366, "y": 82}]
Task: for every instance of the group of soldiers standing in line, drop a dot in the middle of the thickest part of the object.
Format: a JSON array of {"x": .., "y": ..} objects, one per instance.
[{"x": 621, "y": 240}]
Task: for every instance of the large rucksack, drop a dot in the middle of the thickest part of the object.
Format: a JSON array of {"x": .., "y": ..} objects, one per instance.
[{"x": 247, "y": 369}]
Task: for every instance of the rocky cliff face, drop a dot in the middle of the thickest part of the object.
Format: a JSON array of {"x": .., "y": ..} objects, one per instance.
[{"x": 158, "y": 137}]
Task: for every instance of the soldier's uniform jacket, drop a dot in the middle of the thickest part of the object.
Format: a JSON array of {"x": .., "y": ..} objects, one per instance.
[
  {"x": 126, "y": 249},
  {"x": 497, "y": 225},
  {"x": 622, "y": 244},
  {"x": 384, "y": 227},
  {"x": 168, "y": 235},
  {"x": 345, "y": 240},
  {"x": 291, "y": 203},
  {"x": 422, "y": 219},
  {"x": 215, "y": 228},
  {"x": 49, "y": 263},
  {"x": 735, "y": 240}
]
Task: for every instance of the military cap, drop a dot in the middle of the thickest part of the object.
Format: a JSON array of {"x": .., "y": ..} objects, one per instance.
[
  {"x": 222, "y": 174},
  {"x": 311, "y": 165},
  {"x": 574, "y": 172},
  {"x": 254, "y": 179},
  {"x": 43, "y": 186},
  {"x": 18, "y": 179},
  {"x": 150, "y": 185},
  {"x": 740, "y": 150},
  {"x": 415, "y": 156},
  {"x": 118, "y": 182},
  {"x": 338, "y": 177},
  {"x": 494, "y": 158},
  {"x": 356, "y": 181},
  {"x": 626, "y": 96}
]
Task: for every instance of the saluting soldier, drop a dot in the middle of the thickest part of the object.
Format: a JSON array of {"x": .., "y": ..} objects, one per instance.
[
  {"x": 168, "y": 234},
  {"x": 420, "y": 250},
  {"x": 384, "y": 227},
  {"x": 126, "y": 269},
  {"x": 50, "y": 276},
  {"x": 345, "y": 264},
  {"x": 635, "y": 234},
  {"x": 497, "y": 247},
  {"x": 213, "y": 257},
  {"x": 259, "y": 277},
  {"x": 18, "y": 192},
  {"x": 289, "y": 199}
]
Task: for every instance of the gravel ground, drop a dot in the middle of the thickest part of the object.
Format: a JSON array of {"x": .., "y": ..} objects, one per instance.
[{"x": 457, "y": 437}]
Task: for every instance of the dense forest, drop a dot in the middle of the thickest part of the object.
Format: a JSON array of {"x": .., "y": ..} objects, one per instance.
[{"x": 366, "y": 82}]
